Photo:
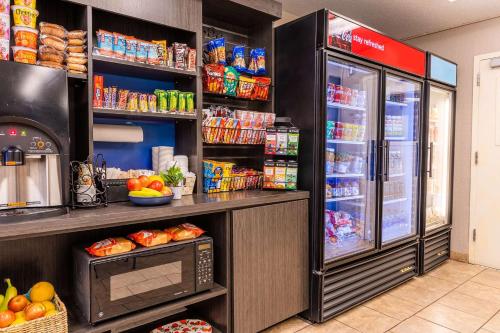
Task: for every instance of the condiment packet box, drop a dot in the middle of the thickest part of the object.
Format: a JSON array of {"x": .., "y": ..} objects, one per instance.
[
  {"x": 4, "y": 26},
  {"x": 4, "y": 49}
]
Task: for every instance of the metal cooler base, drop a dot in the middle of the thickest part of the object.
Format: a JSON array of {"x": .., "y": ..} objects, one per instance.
[
  {"x": 435, "y": 250},
  {"x": 345, "y": 287}
]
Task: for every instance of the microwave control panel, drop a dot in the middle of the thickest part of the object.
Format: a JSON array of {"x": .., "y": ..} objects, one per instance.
[{"x": 204, "y": 265}]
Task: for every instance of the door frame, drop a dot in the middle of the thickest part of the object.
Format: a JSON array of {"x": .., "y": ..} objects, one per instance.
[{"x": 474, "y": 147}]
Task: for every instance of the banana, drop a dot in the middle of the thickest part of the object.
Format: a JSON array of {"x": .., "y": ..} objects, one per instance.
[
  {"x": 145, "y": 193},
  {"x": 10, "y": 293}
]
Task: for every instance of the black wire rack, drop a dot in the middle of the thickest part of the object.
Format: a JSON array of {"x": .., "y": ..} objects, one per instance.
[{"x": 87, "y": 183}]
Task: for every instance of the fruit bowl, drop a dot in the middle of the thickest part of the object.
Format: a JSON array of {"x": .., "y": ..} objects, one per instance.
[{"x": 151, "y": 201}]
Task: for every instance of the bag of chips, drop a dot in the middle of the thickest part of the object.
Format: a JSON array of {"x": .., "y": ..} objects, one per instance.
[
  {"x": 149, "y": 238},
  {"x": 257, "y": 65},
  {"x": 213, "y": 78},
  {"x": 230, "y": 81},
  {"x": 239, "y": 58},
  {"x": 110, "y": 246},
  {"x": 184, "y": 231}
]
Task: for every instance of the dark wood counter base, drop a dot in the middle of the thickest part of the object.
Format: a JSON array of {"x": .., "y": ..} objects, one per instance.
[{"x": 260, "y": 241}]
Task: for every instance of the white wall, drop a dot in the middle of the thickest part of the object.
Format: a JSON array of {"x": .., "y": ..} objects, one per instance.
[{"x": 461, "y": 45}]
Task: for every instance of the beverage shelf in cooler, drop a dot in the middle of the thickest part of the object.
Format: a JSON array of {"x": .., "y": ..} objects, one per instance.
[
  {"x": 395, "y": 175},
  {"x": 395, "y": 103},
  {"x": 355, "y": 197},
  {"x": 346, "y": 106},
  {"x": 346, "y": 142},
  {"x": 393, "y": 201},
  {"x": 396, "y": 138},
  {"x": 345, "y": 175}
]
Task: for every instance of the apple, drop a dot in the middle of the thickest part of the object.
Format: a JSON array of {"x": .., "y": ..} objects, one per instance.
[
  {"x": 145, "y": 181},
  {"x": 18, "y": 303},
  {"x": 156, "y": 185},
  {"x": 134, "y": 184},
  {"x": 6, "y": 318},
  {"x": 34, "y": 311}
]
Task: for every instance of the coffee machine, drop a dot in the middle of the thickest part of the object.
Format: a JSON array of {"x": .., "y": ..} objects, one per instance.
[{"x": 34, "y": 142}]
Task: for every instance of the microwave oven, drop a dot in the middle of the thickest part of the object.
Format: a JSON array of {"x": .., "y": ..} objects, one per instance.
[{"x": 107, "y": 287}]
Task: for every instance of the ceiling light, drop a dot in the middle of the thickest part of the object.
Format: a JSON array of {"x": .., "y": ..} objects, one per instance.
[{"x": 452, "y": 0}]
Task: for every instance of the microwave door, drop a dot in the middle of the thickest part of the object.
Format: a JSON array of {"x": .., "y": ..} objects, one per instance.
[{"x": 135, "y": 282}]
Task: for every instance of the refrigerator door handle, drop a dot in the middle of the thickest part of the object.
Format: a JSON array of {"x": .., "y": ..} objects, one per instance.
[
  {"x": 372, "y": 152},
  {"x": 431, "y": 158},
  {"x": 386, "y": 147}
]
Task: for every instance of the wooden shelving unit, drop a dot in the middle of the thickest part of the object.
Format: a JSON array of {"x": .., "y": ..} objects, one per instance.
[{"x": 112, "y": 113}]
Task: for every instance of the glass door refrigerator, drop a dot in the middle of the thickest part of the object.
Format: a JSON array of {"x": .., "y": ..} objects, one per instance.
[
  {"x": 437, "y": 152},
  {"x": 356, "y": 96}
]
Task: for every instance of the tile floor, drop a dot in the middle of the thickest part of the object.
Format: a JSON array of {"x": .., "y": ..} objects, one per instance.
[{"x": 455, "y": 297}]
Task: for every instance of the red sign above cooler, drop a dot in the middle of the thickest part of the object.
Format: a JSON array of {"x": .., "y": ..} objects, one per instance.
[{"x": 369, "y": 44}]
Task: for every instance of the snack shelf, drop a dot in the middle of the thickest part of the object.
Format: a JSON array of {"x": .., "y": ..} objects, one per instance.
[
  {"x": 113, "y": 113},
  {"x": 229, "y": 97},
  {"x": 345, "y": 106},
  {"x": 136, "y": 319},
  {"x": 345, "y": 175},
  {"x": 77, "y": 76},
  {"x": 129, "y": 68},
  {"x": 231, "y": 145},
  {"x": 356, "y": 197},
  {"x": 347, "y": 142},
  {"x": 393, "y": 201},
  {"x": 395, "y": 103}
]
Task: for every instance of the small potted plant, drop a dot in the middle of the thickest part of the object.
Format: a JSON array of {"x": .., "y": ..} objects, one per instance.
[{"x": 174, "y": 178}]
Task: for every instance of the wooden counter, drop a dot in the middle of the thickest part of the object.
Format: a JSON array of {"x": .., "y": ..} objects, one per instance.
[{"x": 126, "y": 213}]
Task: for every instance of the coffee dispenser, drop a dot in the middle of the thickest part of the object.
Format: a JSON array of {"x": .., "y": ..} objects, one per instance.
[{"x": 34, "y": 142}]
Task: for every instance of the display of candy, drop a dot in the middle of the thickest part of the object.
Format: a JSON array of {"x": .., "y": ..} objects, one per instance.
[
  {"x": 224, "y": 177},
  {"x": 341, "y": 225},
  {"x": 280, "y": 175}
]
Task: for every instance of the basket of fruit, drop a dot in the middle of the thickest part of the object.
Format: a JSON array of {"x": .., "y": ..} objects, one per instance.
[
  {"x": 149, "y": 191},
  {"x": 40, "y": 310}
]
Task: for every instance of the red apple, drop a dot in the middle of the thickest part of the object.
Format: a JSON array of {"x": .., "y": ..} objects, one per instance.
[
  {"x": 134, "y": 184},
  {"x": 6, "y": 318},
  {"x": 34, "y": 311},
  {"x": 144, "y": 181},
  {"x": 156, "y": 185},
  {"x": 18, "y": 303}
]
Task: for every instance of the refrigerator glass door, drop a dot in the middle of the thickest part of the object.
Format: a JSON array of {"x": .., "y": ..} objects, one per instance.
[
  {"x": 439, "y": 152},
  {"x": 400, "y": 158},
  {"x": 351, "y": 130}
]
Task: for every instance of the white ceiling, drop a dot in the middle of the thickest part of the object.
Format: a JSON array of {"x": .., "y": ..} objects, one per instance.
[{"x": 403, "y": 18}]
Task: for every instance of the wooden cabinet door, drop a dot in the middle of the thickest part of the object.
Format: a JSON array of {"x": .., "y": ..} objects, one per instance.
[{"x": 270, "y": 264}]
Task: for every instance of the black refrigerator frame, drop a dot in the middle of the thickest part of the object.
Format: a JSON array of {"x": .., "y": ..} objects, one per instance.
[
  {"x": 306, "y": 52},
  {"x": 435, "y": 245}
]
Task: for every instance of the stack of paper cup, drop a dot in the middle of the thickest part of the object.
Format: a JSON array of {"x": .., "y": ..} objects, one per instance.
[
  {"x": 155, "y": 156},
  {"x": 165, "y": 155},
  {"x": 182, "y": 162}
]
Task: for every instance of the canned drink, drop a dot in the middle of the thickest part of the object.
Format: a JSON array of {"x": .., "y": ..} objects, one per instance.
[
  {"x": 339, "y": 94},
  {"x": 339, "y": 130},
  {"x": 347, "y": 96},
  {"x": 330, "y": 92},
  {"x": 354, "y": 97}
]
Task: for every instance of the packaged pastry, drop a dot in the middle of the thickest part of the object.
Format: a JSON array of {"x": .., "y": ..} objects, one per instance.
[
  {"x": 47, "y": 53},
  {"x": 162, "y": 51},
  {"x": 149, "y": 238},
  {"x": 24, "y": 55},
  {"x": 180, "y": 55},
  {"x": 106, "y": 103},
  {"x": 4, "y": 49},
  {"x": 239, "y": 58},
  {"x": 24, "y": 16},
  {"x": 113, "y": 92},
  {"x": 53, "y": 41},
  {"x": 110, "y": 246},
  {"x": 76, "y": 60},
  {"x": 153, "y": 57},
  {"x": 269, "y": 119},
  {"x": 53, "y": 30},
  {"x": 76, "y": 42},
  {"x": 27, "y": 3},
  {"x": 77, "y": 67},
  {"x": 122, "y": 99},
  {"x": 75, "y": 72},
  {"x": 51, "y": 64},
  {"x": 170, "y": 56},
  {"x": 105, "y": 43},
  {"x": 142, "y": 51},
  {"x": 5, "y": 7},
  {"x": 143, "y": 103},
  {"x": 77, "y": 34},
  {"x": 185, "y": 231},
  {"x": 152, "y": 102},
  {"x": 131, "y": 48},
  {"x": 26, "y": 37},
  {"x": 75, "y": 48},
  {"x": 4, "y": 26},
  {"x": 119, "y": 45},
  {"x": 191, "y": 60}
]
